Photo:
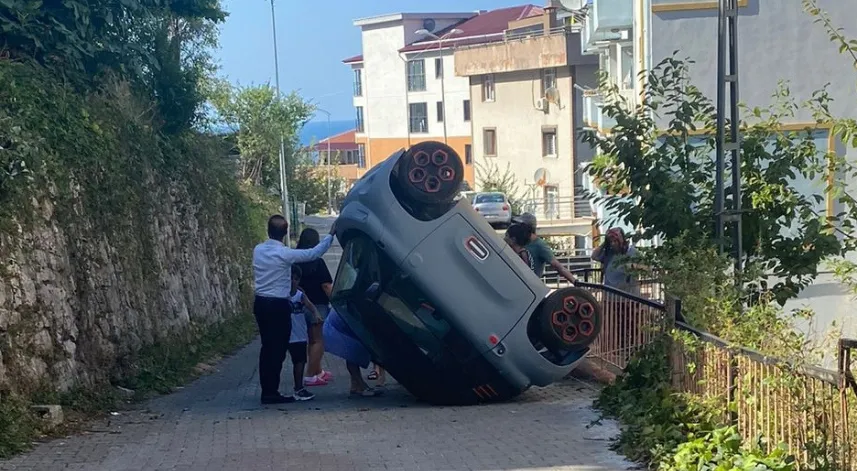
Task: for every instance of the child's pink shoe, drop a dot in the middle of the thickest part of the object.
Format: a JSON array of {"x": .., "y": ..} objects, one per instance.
[
  {"x": 326, "y": 375},
  {"x": 314, "y": 381}
]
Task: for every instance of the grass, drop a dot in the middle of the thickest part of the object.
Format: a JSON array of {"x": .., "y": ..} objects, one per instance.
[{"x": 157, "y": 369}]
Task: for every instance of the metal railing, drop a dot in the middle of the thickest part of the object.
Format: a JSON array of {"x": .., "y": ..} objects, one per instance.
[
  {"x": 807, "y": 409},
  {"x": 534, "y": 32},
  {"x": 549, "y": 212}
]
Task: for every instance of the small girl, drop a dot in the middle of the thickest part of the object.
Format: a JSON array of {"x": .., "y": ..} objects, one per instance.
[{"x": 303, "y": 313}]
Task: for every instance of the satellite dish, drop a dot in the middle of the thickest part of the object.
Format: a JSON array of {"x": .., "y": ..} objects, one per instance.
[
  {"x": 552, "y": 95},
  {"x": 573, "y": 5},
  {"x": 541, "y": 176},
  {"x": 429, "y": 25}
]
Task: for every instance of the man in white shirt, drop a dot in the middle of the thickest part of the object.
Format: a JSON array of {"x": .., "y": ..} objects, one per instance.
[{"x": 272, "y": 271}]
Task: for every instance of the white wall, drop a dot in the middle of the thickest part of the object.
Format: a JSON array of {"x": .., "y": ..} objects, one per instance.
[
  {"x": 519, "y": 128},
  {"x": 384, "y": 84},
  {"x": 385, "y": 77},
  {"x": 457, "y": 89},
  {"x": 777, "y": 41}
]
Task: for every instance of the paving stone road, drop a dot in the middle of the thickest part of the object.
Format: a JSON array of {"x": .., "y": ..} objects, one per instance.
[{"x": 217, "y": 424}]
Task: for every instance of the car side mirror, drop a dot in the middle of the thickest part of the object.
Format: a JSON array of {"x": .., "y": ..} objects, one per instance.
[{"x": 373, "y": 292}]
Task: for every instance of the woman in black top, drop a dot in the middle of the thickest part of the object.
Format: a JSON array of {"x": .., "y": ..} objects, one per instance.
[{"x": 316, "y": 284}]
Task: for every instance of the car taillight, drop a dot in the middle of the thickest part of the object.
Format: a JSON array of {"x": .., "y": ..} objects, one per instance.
[{"x": 505, "y": 207}]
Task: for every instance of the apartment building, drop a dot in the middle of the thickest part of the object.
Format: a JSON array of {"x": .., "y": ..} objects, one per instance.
[
  {"x": 777, "y": 41},
  {"x": 524, "y": 112},
  {"x": 404, "y": 88}
]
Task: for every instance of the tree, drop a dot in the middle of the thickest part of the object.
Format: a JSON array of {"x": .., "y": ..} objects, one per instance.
[
  {"x": 260, "y": 119},
  {"x": 308, "y": 182},
  {"x": 161, "y": 47},
  {"x": 662, "y": 180}
]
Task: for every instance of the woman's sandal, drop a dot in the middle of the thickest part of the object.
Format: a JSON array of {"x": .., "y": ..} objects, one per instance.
[
  {"x": 368, "y": 392},
  {"x": 372, "y": 376}
]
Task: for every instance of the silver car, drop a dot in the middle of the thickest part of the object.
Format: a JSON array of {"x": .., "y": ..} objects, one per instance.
[
  {"x": 439, "y": 299},
  {"x": 494, "y": 207}
]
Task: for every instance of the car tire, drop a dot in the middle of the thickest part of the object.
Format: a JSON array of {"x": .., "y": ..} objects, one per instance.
[
  {"x": 570, "y": 319},
  {"x": 430, "y": 173}
]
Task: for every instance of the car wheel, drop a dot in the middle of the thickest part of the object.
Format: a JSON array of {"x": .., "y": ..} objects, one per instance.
[
  {"x": 570, "y": 318},
  {"x": 430, "y": 173}
]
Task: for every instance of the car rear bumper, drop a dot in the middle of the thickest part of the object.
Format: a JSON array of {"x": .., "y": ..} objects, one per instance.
[
  {"x": 523, "y": 366},
  {"x": 498, "y": 218}
]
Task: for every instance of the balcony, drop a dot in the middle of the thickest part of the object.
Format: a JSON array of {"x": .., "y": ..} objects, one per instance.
[
  {"x": 522, "y": 50},
  {"x": 606, "y": 21},
  {"x": 562, "y": 216}
]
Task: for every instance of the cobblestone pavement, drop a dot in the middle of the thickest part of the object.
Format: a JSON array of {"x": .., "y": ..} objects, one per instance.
[{"x": 217, "y": 424}]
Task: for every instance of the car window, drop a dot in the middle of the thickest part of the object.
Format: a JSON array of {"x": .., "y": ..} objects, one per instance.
[
  {"x": 490, "y": 198},
  {"x": 400, "y": 304}
]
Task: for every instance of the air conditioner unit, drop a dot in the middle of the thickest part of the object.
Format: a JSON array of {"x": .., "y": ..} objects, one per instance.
[{"x": 542, "y": 104}]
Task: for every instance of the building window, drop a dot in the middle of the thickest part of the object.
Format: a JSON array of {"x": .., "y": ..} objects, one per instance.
[
  {"x": 468, "y": 154},
  {"x": 549, "y": 142},
  {"x": 438, "y": 68},
  {"x": 361, "y": 155},
  {"x": 417, "y": 75},
  {"x": 466, "y": 110},
  {"x": 489, "y": 141},
  {"x": 548, "y": 79},
  {"x": 360, "y": 119},
  {"x": 440, "y": 112},
  {"x": 358, "y": 82},
  {"x": 418, "y": 117},
  {"x": 488, "y": 93}
]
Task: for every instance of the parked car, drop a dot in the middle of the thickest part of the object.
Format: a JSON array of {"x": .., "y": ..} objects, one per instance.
[
  {"x": 439, "y": 299},
  {"x": 494, "y": 207}
]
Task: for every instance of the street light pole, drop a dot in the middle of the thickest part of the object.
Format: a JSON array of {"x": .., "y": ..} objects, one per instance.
[
  {"x": 329, "y": 196},
  {"x": 284, "y": 190}
]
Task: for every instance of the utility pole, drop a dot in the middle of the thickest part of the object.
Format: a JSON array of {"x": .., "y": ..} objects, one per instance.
[
  {"x": 727, "y": 76},
  {"x": 284, "y": 190}
]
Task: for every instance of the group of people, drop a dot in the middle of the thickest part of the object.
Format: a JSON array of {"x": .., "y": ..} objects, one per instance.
[
  {"x": 294, "y": 315},
  {"x": 534, "y": 251}
]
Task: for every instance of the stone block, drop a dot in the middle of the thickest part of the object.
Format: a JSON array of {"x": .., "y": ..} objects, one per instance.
[{"x": 50, "y": 414}]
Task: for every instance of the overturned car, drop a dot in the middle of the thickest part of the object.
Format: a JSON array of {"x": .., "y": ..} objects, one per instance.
[{"x": 437, "y": 296}]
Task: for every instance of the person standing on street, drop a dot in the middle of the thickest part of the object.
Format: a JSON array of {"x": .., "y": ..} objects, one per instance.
[
  {"x": 272, "y": 272},
  {"x": 541, "y": 254},
  {"x": 317, "y": 285}
]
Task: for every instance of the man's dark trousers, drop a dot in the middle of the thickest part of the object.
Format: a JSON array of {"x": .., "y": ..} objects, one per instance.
[{"x": 274, "y": 318}]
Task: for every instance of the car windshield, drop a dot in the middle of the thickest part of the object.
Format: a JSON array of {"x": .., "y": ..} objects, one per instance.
[
  {"x": 371, "y": 291},
  {"x": 490, "y": 198}
]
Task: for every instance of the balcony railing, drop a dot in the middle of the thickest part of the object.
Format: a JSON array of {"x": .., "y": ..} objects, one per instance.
[
  {"x": 557, "y": 211},
  {"x": 594, "y": 117}
]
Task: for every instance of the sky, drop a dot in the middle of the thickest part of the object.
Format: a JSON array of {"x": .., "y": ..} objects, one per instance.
[{"x": 312, "y": 38}]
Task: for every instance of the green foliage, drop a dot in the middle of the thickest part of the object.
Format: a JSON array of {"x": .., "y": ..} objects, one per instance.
[
  {"x": 260, "y": 119},
  {"x": 845, "y": 129},
  {"x": 160, "y": 367},
  {"x": 308, "y": 184},
  {"x": 722, "y": 450},
  {"x": 662, "y": 179},
  {"x": 160, "y": 47},
  {"x": 676, "y": 432},
  {"x": 17, "y": 425}
]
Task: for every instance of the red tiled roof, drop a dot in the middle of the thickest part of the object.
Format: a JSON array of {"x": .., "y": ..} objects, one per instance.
[
  {"x": 483, "y": 28},
  {"x": 353, "y": 59},
  {"x": 340, "y": 142}
]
